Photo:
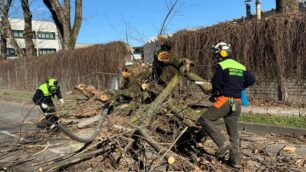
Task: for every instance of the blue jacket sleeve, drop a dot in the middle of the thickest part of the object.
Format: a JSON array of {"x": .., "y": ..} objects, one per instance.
[
  {"x": 217, "y": 79},
  {"x": 249, "y": 79}
]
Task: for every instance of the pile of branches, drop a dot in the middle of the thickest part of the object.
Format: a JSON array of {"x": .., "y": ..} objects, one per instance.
[
  {"x": 170, "y": 143},
  {"x": 147, "y": 126}
]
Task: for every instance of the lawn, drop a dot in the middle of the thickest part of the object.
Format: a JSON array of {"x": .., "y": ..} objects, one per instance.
[{"x": 280, "y": 120}]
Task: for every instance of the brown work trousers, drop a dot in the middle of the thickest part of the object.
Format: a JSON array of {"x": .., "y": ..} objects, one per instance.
[{"x": 231, "y": 122}]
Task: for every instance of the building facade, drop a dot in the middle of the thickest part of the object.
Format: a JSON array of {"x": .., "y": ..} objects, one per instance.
[{"x": 45, "y": 37}]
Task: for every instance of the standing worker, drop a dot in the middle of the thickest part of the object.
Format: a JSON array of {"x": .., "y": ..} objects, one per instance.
[
  {"x": 43, "y": 97},
  {"x": 229, "y": 79}
]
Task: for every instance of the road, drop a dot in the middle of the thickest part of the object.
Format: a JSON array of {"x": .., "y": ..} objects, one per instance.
[
  {"x": 12, "y": 116},
  {"x": 18, "y": 123}
]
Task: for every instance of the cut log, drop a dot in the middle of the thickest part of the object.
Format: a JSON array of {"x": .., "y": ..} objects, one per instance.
[
  {"x": 89, "y": 121},
  {"x": 204, "y": 85},
  {"x": 87, "y": 114},
  {"x": 107, "y": 109}
]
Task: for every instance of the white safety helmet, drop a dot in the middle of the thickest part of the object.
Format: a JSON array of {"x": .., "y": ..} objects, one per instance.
[{"x": 221, "y": 49}]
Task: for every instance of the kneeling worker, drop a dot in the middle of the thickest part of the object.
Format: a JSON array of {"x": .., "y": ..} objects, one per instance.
[{"x": 43, "y": 97}]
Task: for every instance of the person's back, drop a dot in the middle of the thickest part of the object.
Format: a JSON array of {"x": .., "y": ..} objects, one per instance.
[{"x": 231, "y": 77}]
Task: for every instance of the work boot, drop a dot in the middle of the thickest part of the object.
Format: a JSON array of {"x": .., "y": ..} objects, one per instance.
[
  {"x": 222, "y": 149},
  {"x": 234, "y": 164},
  {"x": 234, "y": 160},
  {"x": 50, "y": 122}
]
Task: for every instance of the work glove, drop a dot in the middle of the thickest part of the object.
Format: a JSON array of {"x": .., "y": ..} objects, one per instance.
[
  {"x": 61, "y": 101},
  {"x": 44, "y": 106}
]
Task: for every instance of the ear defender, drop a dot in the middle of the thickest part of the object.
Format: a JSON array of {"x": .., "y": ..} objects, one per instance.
[{"x": 223, "y": 53}]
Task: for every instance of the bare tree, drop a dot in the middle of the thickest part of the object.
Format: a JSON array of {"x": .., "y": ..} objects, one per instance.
[
  {"x": 6, "y": 29},
  {"x": 28, "y": 33},
  {"x": 3, "y": 42},
  {"x": 61, "y": 15}
]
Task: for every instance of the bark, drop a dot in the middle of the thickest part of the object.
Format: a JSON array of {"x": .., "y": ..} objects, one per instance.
[
  {"x": 61, "y": 15},
  {"x": 89, "y": 113},
  {"x": 282, "y": 89},
  {"x": 7, "y": 29},
  {"x": 55, "y": 12},
  {"x": 3, "y": 42},
  {"x": 182, "y": 65},
  {"x": 88, "y": 121},
  {"x": 28, "y": 33},
  {"x": 158, "y": 148},
  {"x": 77, "y": 23},
  {"x": 204, "y": 85},
  {"x": 144, "y": 117}
]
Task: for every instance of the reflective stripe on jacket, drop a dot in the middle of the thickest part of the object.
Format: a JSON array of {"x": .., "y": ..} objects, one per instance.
[{"x": 44, "y": 89}]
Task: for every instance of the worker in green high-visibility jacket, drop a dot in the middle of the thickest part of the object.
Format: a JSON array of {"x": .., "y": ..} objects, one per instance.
[
  {"x": 230, "y": 78},
  {"x": 43, "y": 97}
]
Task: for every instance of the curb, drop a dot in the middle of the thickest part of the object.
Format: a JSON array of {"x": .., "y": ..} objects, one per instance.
[
  {"x": 262, "y": 129},
  {"x": 274, "y": 110},
  {"x": 266, "y": 128}
]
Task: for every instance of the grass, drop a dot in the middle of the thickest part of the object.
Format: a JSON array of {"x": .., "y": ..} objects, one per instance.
[
  {"x": 25, "y": 96},
  {"x": 279, "y": 120},
  {"x": 19, "y": 96}
]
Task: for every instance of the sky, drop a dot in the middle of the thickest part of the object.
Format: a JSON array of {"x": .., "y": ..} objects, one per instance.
[{"x": 140, "y": 20}]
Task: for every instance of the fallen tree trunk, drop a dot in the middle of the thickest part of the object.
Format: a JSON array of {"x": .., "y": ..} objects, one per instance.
[
  {"x": 204, "y": 85},
  {"x": 89, "y": 121},
  {"x": 143, "y": 118},
  {"x": 182, "y": 65}
]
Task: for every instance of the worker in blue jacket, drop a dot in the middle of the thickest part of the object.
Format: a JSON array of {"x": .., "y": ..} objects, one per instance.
[{"x": 229, "y": 79}]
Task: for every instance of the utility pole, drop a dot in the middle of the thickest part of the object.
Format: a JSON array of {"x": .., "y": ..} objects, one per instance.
[
  {"x": 248, "y": 8},
  {"x": 258, "y": 10}
]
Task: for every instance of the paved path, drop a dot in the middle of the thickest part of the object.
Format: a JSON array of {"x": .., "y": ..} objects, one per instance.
[{"x": 12, "y": 115}]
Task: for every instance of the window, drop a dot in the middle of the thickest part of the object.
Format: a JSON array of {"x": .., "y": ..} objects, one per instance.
[
  {"x": 17, "y": 33},
  {"x": 44, "y": 51},
  {"x": 46, "y": 35},
  {"x": 10, "y": 52},
  {"x": 34, "y": 35}
]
